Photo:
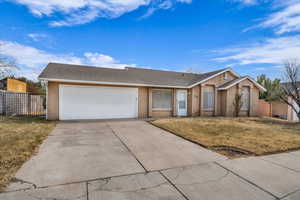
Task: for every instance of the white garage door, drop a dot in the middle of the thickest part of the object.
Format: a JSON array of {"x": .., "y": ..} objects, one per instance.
[{"x": 91, "y": 102}]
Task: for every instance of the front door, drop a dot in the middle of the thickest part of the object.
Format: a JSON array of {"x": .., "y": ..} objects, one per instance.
[{"x": 181, "y": 103}]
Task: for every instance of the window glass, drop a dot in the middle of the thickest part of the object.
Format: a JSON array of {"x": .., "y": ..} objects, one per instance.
[
  {"x": 182, "y": 104},
  {"x": 161, "y": 99},
  {"x": 209, "y": 98}
]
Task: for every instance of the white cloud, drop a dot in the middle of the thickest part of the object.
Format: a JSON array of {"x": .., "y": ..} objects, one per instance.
[
  {"x": 271, "y": 51},
  {"x": 77, "y": 12},
  {"x": 32, "y": 60},
  {"x": 246, "y": 2},
  {"x": 36, "y": 36},
  {"x": 285, "y": 19},
  {"x": 102, "y": 60},
  {"x": 32, "y": 57},
  {"x": 167, "y": 4}
]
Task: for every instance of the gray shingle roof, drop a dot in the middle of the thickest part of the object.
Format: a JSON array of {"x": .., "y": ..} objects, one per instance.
[
  {"x": 127, "y": 75},
  {"x": 232, "y": 82}
]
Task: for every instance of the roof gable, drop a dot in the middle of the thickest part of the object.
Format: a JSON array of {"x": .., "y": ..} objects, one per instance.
[{"x": 238, "y": 80}]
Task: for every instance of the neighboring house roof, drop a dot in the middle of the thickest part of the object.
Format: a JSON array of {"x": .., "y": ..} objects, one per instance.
[
  {"x": 238, "y": 80},
  {"x": 288, "y": 84},
  {"x": 127, "y": 76}
]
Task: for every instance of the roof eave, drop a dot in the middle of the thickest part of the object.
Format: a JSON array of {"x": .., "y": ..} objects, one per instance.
[{"x": 112, "y": 83}]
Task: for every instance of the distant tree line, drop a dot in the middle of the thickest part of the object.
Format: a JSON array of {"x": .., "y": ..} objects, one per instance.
[{"x": 272, "y": 87}]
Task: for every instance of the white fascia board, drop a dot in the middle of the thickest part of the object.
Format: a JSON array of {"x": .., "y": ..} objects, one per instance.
[
  {"x": 204, "y": 80},
  {"x": 110, "y": 83}
]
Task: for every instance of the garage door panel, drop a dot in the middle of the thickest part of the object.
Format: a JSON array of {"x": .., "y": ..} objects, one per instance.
[{"x": 91, "y": 102}]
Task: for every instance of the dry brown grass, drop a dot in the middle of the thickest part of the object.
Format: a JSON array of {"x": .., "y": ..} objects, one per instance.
[
  {"x": 257, "y": 135},
  {"x": 19, "y": 138}
]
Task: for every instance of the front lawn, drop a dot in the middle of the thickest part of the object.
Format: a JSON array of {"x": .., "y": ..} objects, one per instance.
[
  {"x": 19, "y": 139},
  {"x": 254, "y": 135}
]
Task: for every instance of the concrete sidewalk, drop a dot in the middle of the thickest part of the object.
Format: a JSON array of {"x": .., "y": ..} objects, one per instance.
[{"x": 117, "y": 160}]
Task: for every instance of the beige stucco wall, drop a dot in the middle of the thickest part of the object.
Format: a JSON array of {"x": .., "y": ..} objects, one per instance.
[
  {"x": 219, "y": 96},
  {"x": 254, "y": 98},
  {"x": 143, "y": 102},
  {"x": 162, "y": 113},
  {"x": 53, "y": 99},
  {"x": 223, "y": 99},
  {"x": 219, "y": 80},
  {"x": 194, "y": 101},
  {"x": 254, "y": 102},
  {"x": 222, "y": 96},
  {"x": 229, "y": 101}
]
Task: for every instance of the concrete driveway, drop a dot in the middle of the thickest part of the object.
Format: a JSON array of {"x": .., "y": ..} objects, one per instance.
[{"x": 133, "y": 160}]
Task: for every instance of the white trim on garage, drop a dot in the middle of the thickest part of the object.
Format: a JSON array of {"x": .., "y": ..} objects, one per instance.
[{"x": 98, "y": 102}]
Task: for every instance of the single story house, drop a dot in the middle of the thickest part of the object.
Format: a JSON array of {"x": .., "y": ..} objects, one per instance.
[{"x": 85, "y": 92}]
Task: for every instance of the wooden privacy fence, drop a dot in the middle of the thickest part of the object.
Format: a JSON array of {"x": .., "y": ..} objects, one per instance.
[
  {"x": 272, "y": 109},
  {"x": 264, "y": 108},
  {"x": 21, "y": 104}
]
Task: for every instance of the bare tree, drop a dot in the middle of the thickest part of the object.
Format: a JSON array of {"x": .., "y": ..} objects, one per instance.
[
  {"x": 238, "y": 103},
  {"x": 290, "y": 91},
  {"x": 8, "y": 67}
]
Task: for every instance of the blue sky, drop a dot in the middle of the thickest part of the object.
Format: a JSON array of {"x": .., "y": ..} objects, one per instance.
[{"x": 251, "y": 36}]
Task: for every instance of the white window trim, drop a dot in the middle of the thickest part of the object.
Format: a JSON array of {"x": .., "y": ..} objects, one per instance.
[{"x": 162, "y": 109}]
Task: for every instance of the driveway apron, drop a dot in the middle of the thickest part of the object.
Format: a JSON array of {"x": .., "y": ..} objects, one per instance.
[
  {"x": 78, "y": 151},
  {"x": 157, "y": 149}
]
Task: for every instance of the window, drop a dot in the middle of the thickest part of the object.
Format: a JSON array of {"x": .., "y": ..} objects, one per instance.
[
  {"x": 245, "y": 98},
  {"x": 209, "y": 98},
  {"x": 162, "y": 99}
]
